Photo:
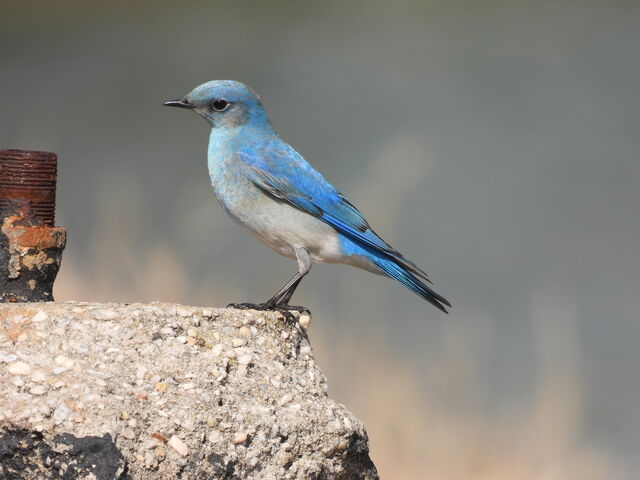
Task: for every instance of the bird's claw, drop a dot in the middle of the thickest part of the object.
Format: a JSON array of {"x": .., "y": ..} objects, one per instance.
[
  {"x": 268, "y": 306},
  {"x": 250, "y": 306},
  {"x": 292, "y": 308}
]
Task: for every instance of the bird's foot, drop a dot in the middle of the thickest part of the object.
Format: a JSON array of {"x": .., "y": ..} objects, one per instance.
[
  {"x": 270, "y": 306},
  {"x": 292, "y": 308},
  {"x": 251, "y": 306}
]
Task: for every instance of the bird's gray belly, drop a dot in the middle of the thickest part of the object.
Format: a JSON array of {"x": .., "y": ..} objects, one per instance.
[{"x": 279, "y": 225}]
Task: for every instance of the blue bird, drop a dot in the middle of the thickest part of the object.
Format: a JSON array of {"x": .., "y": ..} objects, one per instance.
[{"x": 267, "y": 187}]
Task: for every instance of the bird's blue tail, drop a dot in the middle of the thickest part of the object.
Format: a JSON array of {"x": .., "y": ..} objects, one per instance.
[{"x": 402, "y": 275}]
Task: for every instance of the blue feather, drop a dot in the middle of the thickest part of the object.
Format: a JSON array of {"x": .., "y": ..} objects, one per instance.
[
  {"x": 281, "y": 172},
  {"x": 398, "y": 273}
]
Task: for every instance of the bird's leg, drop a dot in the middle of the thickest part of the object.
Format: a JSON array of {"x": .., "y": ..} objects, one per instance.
[
  {"x": 282, "y": 297},
  {"x": 280, "y": 301},
  {"x": 286, "y": 296}
]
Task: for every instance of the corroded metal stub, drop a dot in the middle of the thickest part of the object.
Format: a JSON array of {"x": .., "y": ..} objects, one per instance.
[
  {"x": 30, "y": 245},
  {"x": 29, "y": 177}
]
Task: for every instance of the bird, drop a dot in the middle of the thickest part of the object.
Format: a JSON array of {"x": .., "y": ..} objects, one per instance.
[{"x": 270, "y": 189}]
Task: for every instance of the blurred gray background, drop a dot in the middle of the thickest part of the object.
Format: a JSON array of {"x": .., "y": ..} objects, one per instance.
[{"x": 495, "y": 143}]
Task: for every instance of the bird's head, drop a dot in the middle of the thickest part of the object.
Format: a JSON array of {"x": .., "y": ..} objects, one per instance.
[{"x": 224, "y": 104}]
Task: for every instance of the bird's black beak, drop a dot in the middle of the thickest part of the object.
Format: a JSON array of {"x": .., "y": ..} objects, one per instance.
[{"x": 181, "y": 103}]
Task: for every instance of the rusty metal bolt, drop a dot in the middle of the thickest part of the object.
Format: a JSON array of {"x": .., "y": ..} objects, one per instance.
[
  {"x": 30, "y": 245},
  {"x": 27, "y": 176}
]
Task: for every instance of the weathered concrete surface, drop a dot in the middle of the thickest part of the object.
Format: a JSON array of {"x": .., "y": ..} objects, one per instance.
[{"x": 111, "y": 391}]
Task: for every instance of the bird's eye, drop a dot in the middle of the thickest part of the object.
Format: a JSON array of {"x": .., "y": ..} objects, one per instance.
[{"x": 220, "y": 105}]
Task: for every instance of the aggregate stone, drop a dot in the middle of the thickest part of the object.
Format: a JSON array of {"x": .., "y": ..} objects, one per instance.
[
  {"x": 157, "y": 391},
  {"x": 19, "y": 368}
]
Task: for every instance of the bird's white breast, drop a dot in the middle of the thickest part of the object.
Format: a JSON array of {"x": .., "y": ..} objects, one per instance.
[{"x": 277, "y": 224}]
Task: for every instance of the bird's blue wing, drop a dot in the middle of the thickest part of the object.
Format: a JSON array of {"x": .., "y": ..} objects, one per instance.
[{"x": 279, "y": 170}]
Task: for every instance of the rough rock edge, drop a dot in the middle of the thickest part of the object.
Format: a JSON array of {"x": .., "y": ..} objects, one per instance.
[{"x": 149, "y": 391}]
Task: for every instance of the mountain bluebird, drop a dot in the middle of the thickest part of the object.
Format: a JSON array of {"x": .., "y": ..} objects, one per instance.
[{"x": 267, "y": 187}]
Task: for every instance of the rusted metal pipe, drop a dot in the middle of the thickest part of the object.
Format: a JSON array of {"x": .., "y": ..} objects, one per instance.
[{"x": 30, "y": 245}]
